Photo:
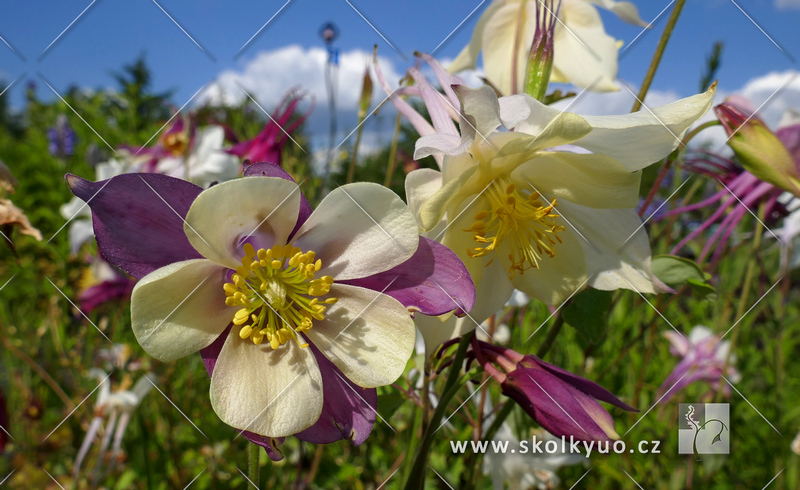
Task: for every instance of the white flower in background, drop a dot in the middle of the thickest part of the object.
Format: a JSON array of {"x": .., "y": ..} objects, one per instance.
[
  {"x": 518, "y": 471},
  {"x": 521, "y": 215},
  {"x": 206, "y": 161},
  {"x": 584, "y": 54},
  {"x": 796, "y": 444},
  {"x": 117, "y": 408}
]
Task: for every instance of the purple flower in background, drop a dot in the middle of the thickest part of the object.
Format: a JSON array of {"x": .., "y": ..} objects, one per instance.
[
  {"x": 704, "y": 358},
  {"x": 147, "y": 238},
  {"x": 103, "y": 283},
  {"x": 561, "y": 402},
  {"x": 267, "y": 146},
  {"x": 61, "y": 138}
]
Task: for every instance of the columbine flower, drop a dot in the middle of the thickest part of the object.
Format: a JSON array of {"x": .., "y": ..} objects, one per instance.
[
  {"x": 521, "y": 215},
  {"x": 561, "y": 402},
  {"x": 299, "y": 289},
  {"x": 61, "y": 138},
  {"x": 743, "y": 191},
  {"x": 117, "y": 407},
  {"x": 267, "y": 146},
  {"x": 584, "y": 54},
  {"x": 704, "y": 358}
]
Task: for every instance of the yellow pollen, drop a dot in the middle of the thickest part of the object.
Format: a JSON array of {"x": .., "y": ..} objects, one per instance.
[
  {"x": 521, "y": 218},
  {"x": 277, "y": 294}
]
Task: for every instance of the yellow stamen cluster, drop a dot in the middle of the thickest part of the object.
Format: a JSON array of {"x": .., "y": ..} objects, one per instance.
[
  {"x": 524, "y": 220},
  {"x": 275, "y": 288},
  {"x": 176, "y": 143}
]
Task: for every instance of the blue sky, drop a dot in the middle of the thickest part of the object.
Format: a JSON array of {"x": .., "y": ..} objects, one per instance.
[{"x": 113, "y": 32}]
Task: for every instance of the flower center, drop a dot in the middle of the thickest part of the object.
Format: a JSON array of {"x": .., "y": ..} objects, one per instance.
[
  {"x": 176, "y": 143},
  {"x": 522, "y": 218},
  {"x": 276, "y": 290}
]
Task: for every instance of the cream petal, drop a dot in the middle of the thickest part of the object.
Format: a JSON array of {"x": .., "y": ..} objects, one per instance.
[
  {"x": 584, "y": 54},
  {"x": 626, "y": 11},
  {"x": 368, "y": 335},
  {"x": 434, "y": 144},
  {"x": 480, "y": 108},
  {"x": 420, "y": 185},
  {"x": 616, "y": 247},
  {"x": 501, "y": 49},
  {"x": 491, "y": 293},
  {"x": 461, "y": 217},
  {"x": 558, "y": 277},
  {"x": 550, "y": 127},
  {"x": 592, "y": 180},
  {"x": 469, "y": 55},
  {"x": 359, "y": 230},
  {"x": 639, "y": 139},
  {"x": 223, "y": 216},
  {"x": 274, "y": 393},
  {"x": 436, "y": 205},
  {"x": 179, "y": 309},
  {"x": 435, "y": 332}
]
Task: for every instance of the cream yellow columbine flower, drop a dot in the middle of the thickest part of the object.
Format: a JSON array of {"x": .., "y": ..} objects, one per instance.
[
  {"x": 522, "y": 215},
  {"x": 281, "y": 283},
  {"x": 584, "y": 54}
]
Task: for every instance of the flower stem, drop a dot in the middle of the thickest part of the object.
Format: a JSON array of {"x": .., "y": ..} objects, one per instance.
[
  {"x": 551, "y": 337},
  {"x": 416, "y": 480},
  {"x": 393, "y": 151},
  {"x": 662, "y": 45},
  {"x": 352, "y": 170},
  {"x": 253, "y": 468}
]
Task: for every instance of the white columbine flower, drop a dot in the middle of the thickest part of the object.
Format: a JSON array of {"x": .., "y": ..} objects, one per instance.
[
  {"x": 584, "y": 54},
  {"x": 206, "y": 161},
  {"x": 521, "y": 215}
]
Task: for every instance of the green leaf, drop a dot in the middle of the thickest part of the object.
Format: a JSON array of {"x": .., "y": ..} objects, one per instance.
[
  {"x": 587, "y": 314},
  {"x": 677, "y": 271}
]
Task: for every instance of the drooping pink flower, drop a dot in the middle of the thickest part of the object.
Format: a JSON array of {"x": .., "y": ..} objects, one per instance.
[{"x": 267, "y": 146}]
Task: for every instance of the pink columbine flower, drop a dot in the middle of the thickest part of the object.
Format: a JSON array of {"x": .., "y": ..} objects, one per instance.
[
  {"x": 267, "y": 146},
  {"x": 743, "y": 192},
  {"x": 704, "y": 358},
  {"x": 561, "y": 402},
  {"x": 159, "y": 243}
]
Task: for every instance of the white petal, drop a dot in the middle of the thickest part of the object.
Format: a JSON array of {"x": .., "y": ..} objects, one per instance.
[
  {"x": 224, "y": 215},
  {"x": 502, "y": 47},
  {"x": 368, "y": 335},
  {"x": 433, "y": 144},
  {"x": 616, "y": 247},
  {"x": 592, "y": 180},
  {"x": 420, "y": 185},
  {"x": 208, "y": 163},
  {"x": 584, "y": 54},
  {"x": 699, "y": 334},
  {"x": 550, "y": 126},
  {"x": 678, "y": 341},
  {"x": 491, "y": 293},
  {"x": 179, "y": 309},
  {"x": 435, "y": 332},
  {"x": 481, "y": 109},
  {"x": 626, "y": 11},
  {"x": 639, "y": 139},
  {"x": 274, "y": 393},
  {"x": 557, "y": 278},
  {"x": 359, "y": 230},
  {"x": 80, "y": 232}
]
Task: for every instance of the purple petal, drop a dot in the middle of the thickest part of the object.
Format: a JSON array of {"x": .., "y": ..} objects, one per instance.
[
  {"x": 106, "y": 291},
  {"x": 270, "y": 444},
  {"x": 584, "y": 385},
  {"x": 433, "y": 281},
  {"x": 138, "y": 219},
  {"x": 553, "y": 404},
  {"x": 790, "y": 137},
  {"x": 348, "y": 410},
  {"x": 272, "y": 170}
]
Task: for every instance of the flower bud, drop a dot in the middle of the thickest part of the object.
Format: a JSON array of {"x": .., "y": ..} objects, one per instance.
[
  {"x": 540, "y": 56},
  {"x": 758, "y": 149}
]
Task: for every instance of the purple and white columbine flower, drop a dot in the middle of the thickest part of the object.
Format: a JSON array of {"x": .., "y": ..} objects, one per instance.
[
  {"x": 299, "y": 315},
  {"x": 704, "y": 358}
]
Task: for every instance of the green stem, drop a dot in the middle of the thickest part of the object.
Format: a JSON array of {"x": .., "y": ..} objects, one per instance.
[
  {"x": 417, "y": 479},
  {"x": 551, "y": 337},
  {"x": 352, "y": 170},
  {"x": 662, "y": 46},
  {"x": 393, "y": 151},
  {"x": 253, "y": 468}
]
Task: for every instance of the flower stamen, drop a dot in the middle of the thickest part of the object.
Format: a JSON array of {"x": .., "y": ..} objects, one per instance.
[
  {"x": 276, "y": 290},
  {"x": 525, "y": 220}
]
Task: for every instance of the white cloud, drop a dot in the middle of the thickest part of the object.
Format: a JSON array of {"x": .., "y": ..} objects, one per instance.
[{"x": 787, "y": 4}]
